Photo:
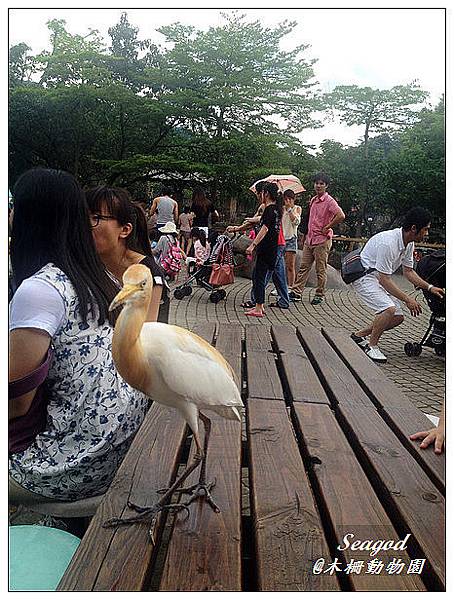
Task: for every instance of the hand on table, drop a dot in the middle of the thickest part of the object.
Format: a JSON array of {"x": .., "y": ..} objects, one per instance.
[{"x": 434, "y": 436}]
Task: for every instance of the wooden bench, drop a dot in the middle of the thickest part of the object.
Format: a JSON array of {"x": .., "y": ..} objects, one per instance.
[{"x": 323, "y": 452}]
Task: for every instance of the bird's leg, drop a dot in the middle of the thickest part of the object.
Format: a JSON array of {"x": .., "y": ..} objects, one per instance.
[
  {"x": 202, "y": 489},
  {"x": 151, "y": 513}
]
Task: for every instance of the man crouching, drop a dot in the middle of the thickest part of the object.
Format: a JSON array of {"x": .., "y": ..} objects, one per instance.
[{"x": 385, "y": 252}]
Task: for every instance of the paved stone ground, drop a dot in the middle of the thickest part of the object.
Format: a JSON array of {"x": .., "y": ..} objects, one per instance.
[{"x": 421, "y": 378}]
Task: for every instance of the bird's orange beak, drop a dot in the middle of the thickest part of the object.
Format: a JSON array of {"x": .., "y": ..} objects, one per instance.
[{"x": 126, "y": 291}]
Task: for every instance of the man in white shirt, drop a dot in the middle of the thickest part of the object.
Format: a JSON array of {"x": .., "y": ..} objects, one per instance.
[{"x": 385, "y": 252}]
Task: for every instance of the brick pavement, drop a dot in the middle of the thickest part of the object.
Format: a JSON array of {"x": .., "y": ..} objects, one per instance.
[{"x": 421, "y": 378}]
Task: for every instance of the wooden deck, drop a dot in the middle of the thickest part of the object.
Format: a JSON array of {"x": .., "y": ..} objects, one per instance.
[{"x": 324, "y": 452}]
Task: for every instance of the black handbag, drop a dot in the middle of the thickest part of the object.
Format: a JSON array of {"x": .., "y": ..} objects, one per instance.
[{"x": 352, "y": 268}]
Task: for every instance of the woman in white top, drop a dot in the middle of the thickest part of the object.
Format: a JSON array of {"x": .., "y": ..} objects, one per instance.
[
  {"x": 62, "y": 300},
  {"x": 291, "y": 218}
]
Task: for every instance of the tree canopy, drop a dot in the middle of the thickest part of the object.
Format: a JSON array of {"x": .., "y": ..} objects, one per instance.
[{"x": 222, "y": 106}]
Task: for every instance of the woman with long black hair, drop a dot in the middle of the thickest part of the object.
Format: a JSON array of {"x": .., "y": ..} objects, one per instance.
[
  {"x": 121, "y": 238},
  {"x": 265, "y": 244},
  {"x": 62, "y": 302},
  {"x": 203, "y": 210}
]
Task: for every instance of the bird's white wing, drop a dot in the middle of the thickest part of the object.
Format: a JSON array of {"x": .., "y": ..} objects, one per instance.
[{"x": 190, "y": 367}]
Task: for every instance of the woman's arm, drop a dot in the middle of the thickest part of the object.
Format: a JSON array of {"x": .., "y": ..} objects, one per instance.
[
  {"x": 27, "y": 350},
  {"x": 258, "y": 238},
  {"x": 153, "y": 309}
]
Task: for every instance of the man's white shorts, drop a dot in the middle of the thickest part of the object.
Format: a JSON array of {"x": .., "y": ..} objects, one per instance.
[{"x": 374, "y": 295}]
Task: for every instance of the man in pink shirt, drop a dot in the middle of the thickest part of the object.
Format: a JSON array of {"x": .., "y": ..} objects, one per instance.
[{"x": 324, "y": 214}]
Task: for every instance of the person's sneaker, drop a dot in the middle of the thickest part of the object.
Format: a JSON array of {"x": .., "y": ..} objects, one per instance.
[
  {"x": 294, "y": 296},
  {"x": 274, "y": 293},
  {"x": 375, "y": 354},
  {"x": 361, "y": 341},
  {"x": 317, "y": 300}
]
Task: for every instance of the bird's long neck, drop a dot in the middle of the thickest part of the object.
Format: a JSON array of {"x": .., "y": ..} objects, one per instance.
[{"x": 127, "y": 350}]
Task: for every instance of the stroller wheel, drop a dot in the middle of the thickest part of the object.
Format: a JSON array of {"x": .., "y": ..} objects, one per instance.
[
  {"x": 179, "y": 294},
  {"x": 417, "y": 349},
  {"x": 187, "y": 290},
  {"x": 215, "y": 297},
  {"x": 222, "y": 294},
  {"x": 408, "y": 349}
]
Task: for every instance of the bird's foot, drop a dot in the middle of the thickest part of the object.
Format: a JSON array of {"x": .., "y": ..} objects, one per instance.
[
  {"x": 201, "y": 490},
  {"x": 146, "y": 514}
]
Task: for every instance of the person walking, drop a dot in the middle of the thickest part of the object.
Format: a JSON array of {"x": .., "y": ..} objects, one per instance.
[
  {"x": 278, "y": 273},
  {"x": 324, "y": 214},
  {"x": 185, "y": 225},
  {"x": 266, "y": 246},
  {"x": 382, "y": 255}
]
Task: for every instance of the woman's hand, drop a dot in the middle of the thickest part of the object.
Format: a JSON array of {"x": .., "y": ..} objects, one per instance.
[{"x": 250, "y": 249}]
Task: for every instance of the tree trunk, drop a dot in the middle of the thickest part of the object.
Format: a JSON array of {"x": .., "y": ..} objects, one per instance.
[{"x": 232, "y": 210}]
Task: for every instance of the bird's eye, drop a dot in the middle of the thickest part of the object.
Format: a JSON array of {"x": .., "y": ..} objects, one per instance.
[{"x": 143, "y": 283}]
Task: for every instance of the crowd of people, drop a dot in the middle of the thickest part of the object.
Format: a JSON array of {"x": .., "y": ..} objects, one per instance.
[{"x": 69, "y": 251}]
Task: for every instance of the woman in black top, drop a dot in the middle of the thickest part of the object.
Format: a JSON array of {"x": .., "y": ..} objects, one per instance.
[
  {"x": 120, "y": 233},
  {"x": 202, "y": 209},
  {"x": 265, "y": 245}
]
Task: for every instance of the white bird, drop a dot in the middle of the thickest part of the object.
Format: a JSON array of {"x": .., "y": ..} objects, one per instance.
[{"x": 176, "y": 368}]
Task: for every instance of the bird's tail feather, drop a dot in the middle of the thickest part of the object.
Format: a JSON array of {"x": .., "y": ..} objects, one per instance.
[{"x": 228, "y": 412}]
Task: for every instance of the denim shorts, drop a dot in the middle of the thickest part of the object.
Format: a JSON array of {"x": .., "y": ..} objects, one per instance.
[{"x": 291, "y": 244}]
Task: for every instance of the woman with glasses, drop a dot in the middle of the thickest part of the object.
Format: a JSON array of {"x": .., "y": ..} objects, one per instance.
[
  {"x": 120, "y": 233},
  {"x": 59, "y": 318}
]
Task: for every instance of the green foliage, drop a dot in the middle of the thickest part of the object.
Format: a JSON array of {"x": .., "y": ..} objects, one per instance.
[{"x": 219, "y": 107}]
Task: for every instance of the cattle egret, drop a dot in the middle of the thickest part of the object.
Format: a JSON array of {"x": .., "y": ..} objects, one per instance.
[{"x": 176, "y": 368}]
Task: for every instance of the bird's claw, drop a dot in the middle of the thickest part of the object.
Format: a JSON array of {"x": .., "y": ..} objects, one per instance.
[{"x": 201, "y": 490}]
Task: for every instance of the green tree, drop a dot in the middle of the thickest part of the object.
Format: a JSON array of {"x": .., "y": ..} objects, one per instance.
[{"x": 378, "y": 111}]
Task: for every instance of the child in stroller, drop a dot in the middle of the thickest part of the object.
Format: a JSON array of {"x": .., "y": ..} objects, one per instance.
[
  {"x": 432, "y": 268},
  {"x": 221, "y": 254}
]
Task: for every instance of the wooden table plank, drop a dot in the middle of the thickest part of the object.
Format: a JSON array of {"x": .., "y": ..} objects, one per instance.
[
  {"x": 302, "y": 380},
  {"x": 321, "y": 354},
  {"x": 257, "y": 338},
  {"x": 402, "y": 416},
  {"x": 350, "y": 500},
  {"x": 263, "y": 376},
  {"x": 205, "y": 331},
  {"x": 288, "y": 530},
  {"x": 228, "y": 343},
  {"x": 204, "y": 552},
  {"x": 119, "y": 558},
  {"x": 404, "y": 487}
]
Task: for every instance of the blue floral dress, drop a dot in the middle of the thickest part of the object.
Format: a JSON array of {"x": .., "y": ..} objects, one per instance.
[{"x": 93, "y": 413}]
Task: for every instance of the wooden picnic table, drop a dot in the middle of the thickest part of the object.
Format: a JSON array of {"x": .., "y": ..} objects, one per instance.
[{"x": 324, "y": 453}]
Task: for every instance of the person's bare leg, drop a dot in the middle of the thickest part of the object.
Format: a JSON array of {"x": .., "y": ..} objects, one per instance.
[
  {"x": 290, "y": 260},
  {"x": 383, "y": 321},
  {"x": 394, "y": 322}
]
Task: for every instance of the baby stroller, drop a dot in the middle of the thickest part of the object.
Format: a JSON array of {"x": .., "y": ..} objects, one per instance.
[
  {"x": 221, "y": 254},
  {"x": 432, "y": 268}
]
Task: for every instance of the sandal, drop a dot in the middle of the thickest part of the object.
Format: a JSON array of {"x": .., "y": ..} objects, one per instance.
[
  {"x": 277, "y": 305},
  {"x": 254, "y": 313},
  {"x": 247, "y": 304}
]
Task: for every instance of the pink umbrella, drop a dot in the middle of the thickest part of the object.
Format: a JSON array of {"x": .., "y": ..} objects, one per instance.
[{"x": 284, "y": 182}]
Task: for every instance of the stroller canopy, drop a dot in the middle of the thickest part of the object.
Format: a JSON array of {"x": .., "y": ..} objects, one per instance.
[{"x": 432, "y": 268}]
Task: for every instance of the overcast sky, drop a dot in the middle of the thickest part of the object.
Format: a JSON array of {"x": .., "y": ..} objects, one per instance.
[{"x": 379, "y": 48}]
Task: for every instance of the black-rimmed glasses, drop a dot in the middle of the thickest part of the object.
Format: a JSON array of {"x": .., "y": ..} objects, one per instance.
[{"x": 94, "y": 219}]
